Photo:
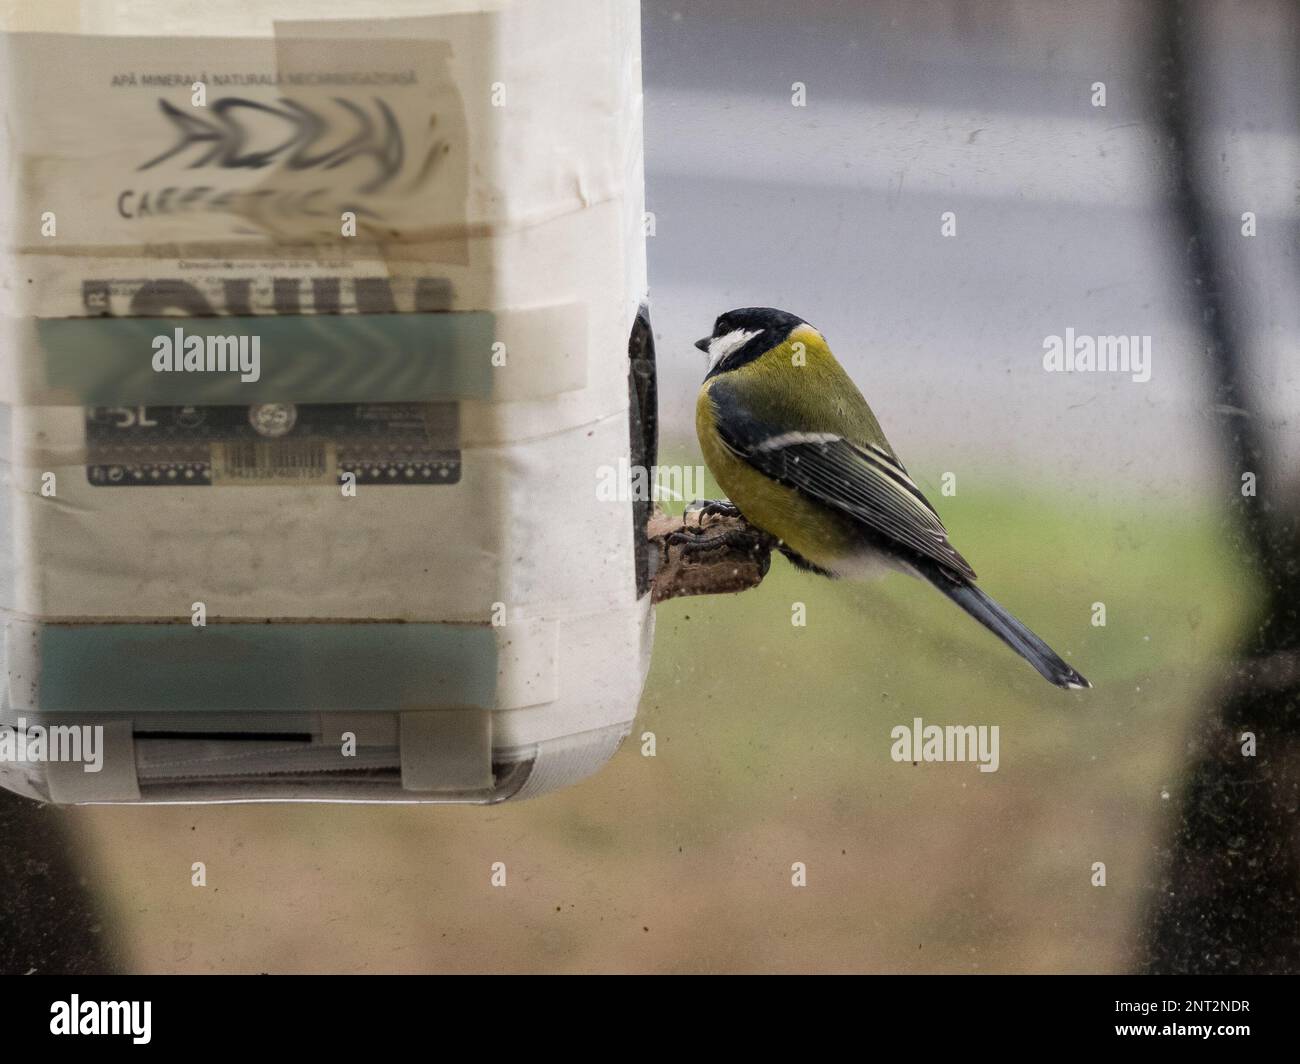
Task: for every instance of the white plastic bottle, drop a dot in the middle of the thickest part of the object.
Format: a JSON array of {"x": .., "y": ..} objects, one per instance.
[{"x": 428, "y": 215}]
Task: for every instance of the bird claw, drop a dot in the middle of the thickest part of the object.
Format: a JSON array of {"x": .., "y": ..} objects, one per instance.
[
  {"x": 698, "y": 546},
  {"x": 703, "y": 508}
]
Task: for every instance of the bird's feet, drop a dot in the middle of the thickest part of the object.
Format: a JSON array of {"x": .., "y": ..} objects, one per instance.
[
  {"x": 711, "y": 549},
  {"x": 697, "y": 545},
  {"x": 703, "y": 508},
  {"x": 698, "y": 539}
]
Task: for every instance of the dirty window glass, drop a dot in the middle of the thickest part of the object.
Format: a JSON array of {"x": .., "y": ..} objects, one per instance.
[{"x": 1053, "y": 247}]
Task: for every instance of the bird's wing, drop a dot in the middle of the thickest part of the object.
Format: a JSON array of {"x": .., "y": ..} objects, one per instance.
[{"x": 862, "y": 480}]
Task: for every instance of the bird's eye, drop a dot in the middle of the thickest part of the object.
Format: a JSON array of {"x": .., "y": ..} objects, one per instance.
[{"x": 720, "y": 327}]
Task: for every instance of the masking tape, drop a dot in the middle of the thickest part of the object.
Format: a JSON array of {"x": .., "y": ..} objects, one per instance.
[
  {"x": 344, "y": 358},
  {"x": 237, "y": 360},
  {"x": 398, "y": 122},
  {"x": 446, "y": 750},
  {"x": 175, "y": 668}
]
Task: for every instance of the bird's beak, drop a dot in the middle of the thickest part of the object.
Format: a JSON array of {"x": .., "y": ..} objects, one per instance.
[{"x": 703, "y": 345}]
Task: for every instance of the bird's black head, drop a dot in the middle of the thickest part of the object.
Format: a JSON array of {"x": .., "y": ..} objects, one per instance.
[{"x": 739, "y": 336}]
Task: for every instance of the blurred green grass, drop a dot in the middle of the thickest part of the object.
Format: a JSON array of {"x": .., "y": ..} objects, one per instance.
[{"x": 773, "y": 747}]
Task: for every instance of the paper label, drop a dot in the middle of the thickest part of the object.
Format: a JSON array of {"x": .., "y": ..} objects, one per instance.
[{"x": 135, "y": 141}]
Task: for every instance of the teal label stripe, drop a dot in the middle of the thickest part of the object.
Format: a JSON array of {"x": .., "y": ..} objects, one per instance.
[
  {"x": 324, "y": 358},
  {"x": 134, "y": 668}
]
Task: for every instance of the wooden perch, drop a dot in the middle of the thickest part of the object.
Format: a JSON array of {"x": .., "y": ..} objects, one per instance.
[{"x": 712, "y": 551}]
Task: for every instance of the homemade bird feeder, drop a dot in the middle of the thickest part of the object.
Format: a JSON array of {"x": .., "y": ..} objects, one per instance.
[{"x": 316, "y": 332}]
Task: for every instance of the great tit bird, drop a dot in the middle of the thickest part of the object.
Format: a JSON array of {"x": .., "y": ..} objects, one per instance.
[{"x": 795, "y": 446}]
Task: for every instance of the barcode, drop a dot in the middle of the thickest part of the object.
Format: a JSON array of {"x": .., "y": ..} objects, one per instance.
[{"x": 276, "y": 458}]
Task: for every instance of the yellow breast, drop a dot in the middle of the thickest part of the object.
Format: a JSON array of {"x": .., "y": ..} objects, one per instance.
[{"x": 823, "y": 536}]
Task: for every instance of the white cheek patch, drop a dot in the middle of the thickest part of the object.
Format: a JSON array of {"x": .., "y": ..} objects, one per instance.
[{"x": 722, "y": 346}]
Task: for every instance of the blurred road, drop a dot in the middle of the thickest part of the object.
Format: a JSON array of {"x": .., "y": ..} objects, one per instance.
[{"x": 833, "y": 211}]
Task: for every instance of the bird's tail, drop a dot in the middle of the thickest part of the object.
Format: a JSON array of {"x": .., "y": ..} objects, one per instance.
[{"x": 1002, "y": 624}]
